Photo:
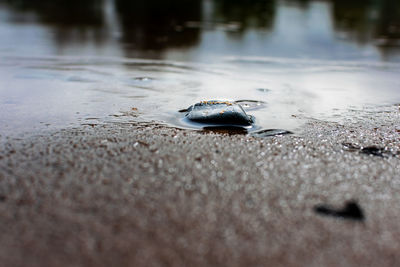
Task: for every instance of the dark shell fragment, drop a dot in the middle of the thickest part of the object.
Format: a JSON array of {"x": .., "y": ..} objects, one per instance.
[
  {"x": 351, "y": 211},
  {"x": 219, "y": 113}
]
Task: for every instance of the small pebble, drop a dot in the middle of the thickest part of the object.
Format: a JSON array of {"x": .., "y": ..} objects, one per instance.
[{"x": 218, "y": 113}]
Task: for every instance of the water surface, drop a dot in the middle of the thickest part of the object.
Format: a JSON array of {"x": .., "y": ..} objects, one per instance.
[{"x": 93, "y": 62}]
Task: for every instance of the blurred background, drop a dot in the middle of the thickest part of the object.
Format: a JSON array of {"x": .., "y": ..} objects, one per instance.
[
  {"x": 201, "y": 29},
  {"x": 72, "y": 61}
]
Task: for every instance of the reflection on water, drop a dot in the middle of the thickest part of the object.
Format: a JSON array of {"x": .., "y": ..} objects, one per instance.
[
  {"x": 149, "y": 28},
  {"x": 73, "y": 20},
  {"x": 71, "y": 13},
  {"x": 64, "y": 61},
  {"x": 157, "y": 25},
  {"x": 249, "y": 14},
  {"x": 369, "y": 21}
]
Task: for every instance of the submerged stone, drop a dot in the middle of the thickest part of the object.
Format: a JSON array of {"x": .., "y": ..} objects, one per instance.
[{"x": 218, "y": 113}]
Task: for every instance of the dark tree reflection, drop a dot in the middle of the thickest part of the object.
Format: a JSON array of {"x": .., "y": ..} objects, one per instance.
[
  {"x": 63, "y": 12},
  {"x": 249, "y": 13},
  {"x": 74, "y": 20},
  {"x": 368, "y": 19},
  {"x": 388, "y": 26},
  {"x": 158, "y": 24},
  {"x": 354, "y": 18},
  {"x": 147, "y": 28}
]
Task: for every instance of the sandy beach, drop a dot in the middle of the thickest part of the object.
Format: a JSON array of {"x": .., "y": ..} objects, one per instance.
[
  {"x": 143, "y": 194},
  {"x": 105, "y": 161}
]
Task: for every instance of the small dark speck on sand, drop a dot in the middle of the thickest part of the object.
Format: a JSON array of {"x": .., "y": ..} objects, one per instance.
[
  {"x": 370, "y": 150},
  {"x": 373, "y": 150},
  {"x": 2, "y": 198},
  {"x": 351, "y": 211}
]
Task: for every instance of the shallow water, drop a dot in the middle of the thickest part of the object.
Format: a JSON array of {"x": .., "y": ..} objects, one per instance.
[{"x": 298, "y": 59}]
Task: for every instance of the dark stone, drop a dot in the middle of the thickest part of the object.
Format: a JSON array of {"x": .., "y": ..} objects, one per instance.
[
  {"x": 351, "y": 211},
  {"x": 2, "y": 198},
  {"x": 373, "y": 150},
  {"x": 218, "y": 113},
  {"x": 270, "y": 132}
]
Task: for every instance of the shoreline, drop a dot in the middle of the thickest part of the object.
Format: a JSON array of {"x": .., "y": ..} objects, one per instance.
[{"x": 143, "y": 194}]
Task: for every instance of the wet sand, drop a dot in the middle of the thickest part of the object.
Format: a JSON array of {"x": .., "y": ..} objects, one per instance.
[{"x": 143, "y": 194}]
